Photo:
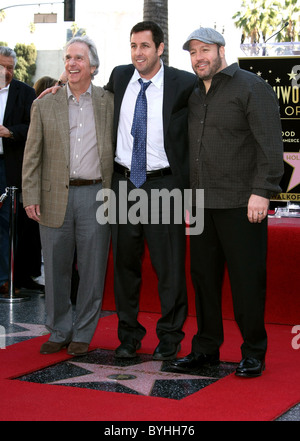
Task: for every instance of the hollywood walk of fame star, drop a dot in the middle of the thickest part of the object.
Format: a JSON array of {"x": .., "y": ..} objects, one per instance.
[
  {"x": 140, "y": 377},
  {"x": 100, "y": 370},
  {"x": 30, "y": 330},
  {"x": 293, "y": 159}
]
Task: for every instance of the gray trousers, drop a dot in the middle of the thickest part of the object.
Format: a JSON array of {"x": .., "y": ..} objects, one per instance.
[{"x": 82, "y": 232}]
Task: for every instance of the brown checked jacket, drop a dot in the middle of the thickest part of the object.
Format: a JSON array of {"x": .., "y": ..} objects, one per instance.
[{"x": 46, "y": 162}]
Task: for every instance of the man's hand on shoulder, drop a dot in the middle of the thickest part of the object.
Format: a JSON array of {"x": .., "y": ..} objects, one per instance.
[{"x": 52, "y": 90}]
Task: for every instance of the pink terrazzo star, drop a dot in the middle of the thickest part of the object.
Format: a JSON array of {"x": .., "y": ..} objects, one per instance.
[{"x": 293, "y": 159}]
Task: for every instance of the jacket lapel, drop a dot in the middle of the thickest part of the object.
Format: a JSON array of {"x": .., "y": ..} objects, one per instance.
[
  {"x": 62, "y": 121},
  {"x": 10, "y": 101},
  {"x": 168, "y": 99},
  {"x": 119, "y": 91},
  {"x": 100, "y": 116}
]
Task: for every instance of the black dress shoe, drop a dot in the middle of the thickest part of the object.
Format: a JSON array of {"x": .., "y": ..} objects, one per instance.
[
  {"x": 30, "y": 285},
  {"x": 250, "y": 367},
  {"x": 127, "y": 349},
  {"x": 193, "y": 362},
  {"x": 166, "y": 351}
]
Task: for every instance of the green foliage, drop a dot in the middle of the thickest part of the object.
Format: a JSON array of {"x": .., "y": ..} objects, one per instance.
[
  {"x": 259, "y": 19},
  {"x": 2, "y": 15},
  {"x": 26, "y": 67}
]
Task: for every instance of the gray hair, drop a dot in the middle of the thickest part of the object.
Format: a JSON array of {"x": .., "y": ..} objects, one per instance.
[
  {"x": 93, "y": 54},
  {"x": 8, "y": 52}
]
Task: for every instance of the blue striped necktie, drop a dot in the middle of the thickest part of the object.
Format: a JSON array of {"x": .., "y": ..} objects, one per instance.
[{"x": 139, "y": 132}]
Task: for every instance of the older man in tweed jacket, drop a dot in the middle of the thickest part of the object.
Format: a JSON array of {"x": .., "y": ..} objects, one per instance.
[{"x": 68, "y": 159}]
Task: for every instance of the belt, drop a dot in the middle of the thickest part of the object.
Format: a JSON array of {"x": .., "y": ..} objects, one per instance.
[
  {"x": 150, "y": 174},
  {"x": 80, "y": 182}
]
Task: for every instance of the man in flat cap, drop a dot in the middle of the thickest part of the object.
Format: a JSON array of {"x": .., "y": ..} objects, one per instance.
[{"x": 236, "y": 156}]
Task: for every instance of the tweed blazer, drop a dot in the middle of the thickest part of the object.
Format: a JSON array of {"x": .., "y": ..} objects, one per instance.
[{"x": 46, "y": 162}]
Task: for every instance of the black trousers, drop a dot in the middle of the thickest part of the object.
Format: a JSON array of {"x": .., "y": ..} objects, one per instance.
[
  {"x": 229, "y": 237},
  {"x": 167, "y": 247}
]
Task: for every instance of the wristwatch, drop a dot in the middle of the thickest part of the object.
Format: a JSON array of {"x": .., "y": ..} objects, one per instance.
[{"x": 11, "y": 135}]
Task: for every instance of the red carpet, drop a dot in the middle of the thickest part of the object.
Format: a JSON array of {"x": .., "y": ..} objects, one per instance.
[
  {"x": 283, "y": 278},
  {"x": 229, "y": 399}
]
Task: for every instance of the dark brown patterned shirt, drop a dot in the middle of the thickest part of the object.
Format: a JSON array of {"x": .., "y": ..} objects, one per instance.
[{"x": 235, "y": 139}]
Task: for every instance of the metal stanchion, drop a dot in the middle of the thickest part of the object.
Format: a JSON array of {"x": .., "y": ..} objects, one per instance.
[{"x": 11, "y": 297}]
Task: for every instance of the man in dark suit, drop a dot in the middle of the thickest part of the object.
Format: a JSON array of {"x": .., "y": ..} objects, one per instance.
[
  {"x": 16, "y": 98},
  {"x": 167, "y": 169}
]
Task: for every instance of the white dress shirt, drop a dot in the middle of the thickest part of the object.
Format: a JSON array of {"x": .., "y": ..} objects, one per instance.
[
  {"x": 156, "y": 155},
  {"x": 3, "y": 101}
]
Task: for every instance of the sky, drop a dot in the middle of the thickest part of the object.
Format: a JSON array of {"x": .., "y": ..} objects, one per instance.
[{"x": 108, "y": 23}]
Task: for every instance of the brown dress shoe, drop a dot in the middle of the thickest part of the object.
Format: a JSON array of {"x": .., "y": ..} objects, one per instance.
[
  {"x": 50, "y": 347},
  {"x": 77, "y": 348},
  {"x": 4, "y": 289}
]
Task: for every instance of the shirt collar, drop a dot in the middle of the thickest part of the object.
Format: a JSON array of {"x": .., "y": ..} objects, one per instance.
[
  {"x": 230, "y": 70},
  {"x": 5, "y": 88},
  {"x": 70, "y": 94}
]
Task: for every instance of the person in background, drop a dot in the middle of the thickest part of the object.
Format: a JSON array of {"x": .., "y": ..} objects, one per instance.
[
  {"x": 165, "y": 166},
  {"x": 16, "y": 99},
  {"x": 68, "y": 160},
  {"x": 44, "y": 83},
  {"x": 236, "y": 156}
]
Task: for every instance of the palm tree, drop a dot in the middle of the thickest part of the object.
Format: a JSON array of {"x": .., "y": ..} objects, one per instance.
[
  {"x": 157, "y": 10},
  {"x": 261, "y": 18},
  {"x": 290, "y": 13},
  {"x": 2, "y": 15},
  {"x": 257, "y": 19}
]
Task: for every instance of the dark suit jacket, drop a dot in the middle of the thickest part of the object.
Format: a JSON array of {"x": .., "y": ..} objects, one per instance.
[
  {"x": 16, "y": 119},
  {"x": 178, "y": 86}
]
